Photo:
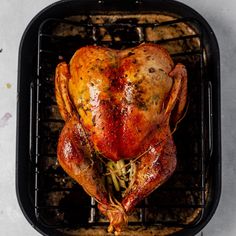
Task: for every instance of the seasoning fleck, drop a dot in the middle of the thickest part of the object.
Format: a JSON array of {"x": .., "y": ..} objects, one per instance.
[
  {"x": 8, "y": 85},
  {"x": 151, "y": 70},
  {"x": 130, "y": 54}
]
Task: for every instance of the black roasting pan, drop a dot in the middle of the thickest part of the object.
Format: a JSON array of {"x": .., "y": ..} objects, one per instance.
[{"x": 198, "y": 138}]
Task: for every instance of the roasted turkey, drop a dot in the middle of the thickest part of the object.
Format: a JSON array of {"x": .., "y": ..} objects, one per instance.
[{"x": 119, "y": 107}]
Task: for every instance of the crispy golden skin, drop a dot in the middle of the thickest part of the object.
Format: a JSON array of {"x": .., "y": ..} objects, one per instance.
[{"x": 119, "y": 104}]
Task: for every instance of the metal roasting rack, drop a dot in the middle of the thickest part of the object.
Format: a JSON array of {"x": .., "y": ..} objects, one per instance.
[{"x": 59, "y": 201}]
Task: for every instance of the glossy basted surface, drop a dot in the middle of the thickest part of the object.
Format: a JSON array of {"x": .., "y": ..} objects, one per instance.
[{"x": 119, "y": 105}]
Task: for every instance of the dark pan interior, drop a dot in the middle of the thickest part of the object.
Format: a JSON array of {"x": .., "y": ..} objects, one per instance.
[{"x": 48, "y": 197}]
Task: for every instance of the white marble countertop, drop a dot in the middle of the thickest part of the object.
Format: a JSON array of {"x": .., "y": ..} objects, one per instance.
[{"x": 14, "y": 17}]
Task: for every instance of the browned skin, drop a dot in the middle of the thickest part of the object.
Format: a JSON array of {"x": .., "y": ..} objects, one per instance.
[
  {"x": 119, "y": 104},
  {"x": 159, "y": 162},
  {"x": 76, "y": 157}
]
